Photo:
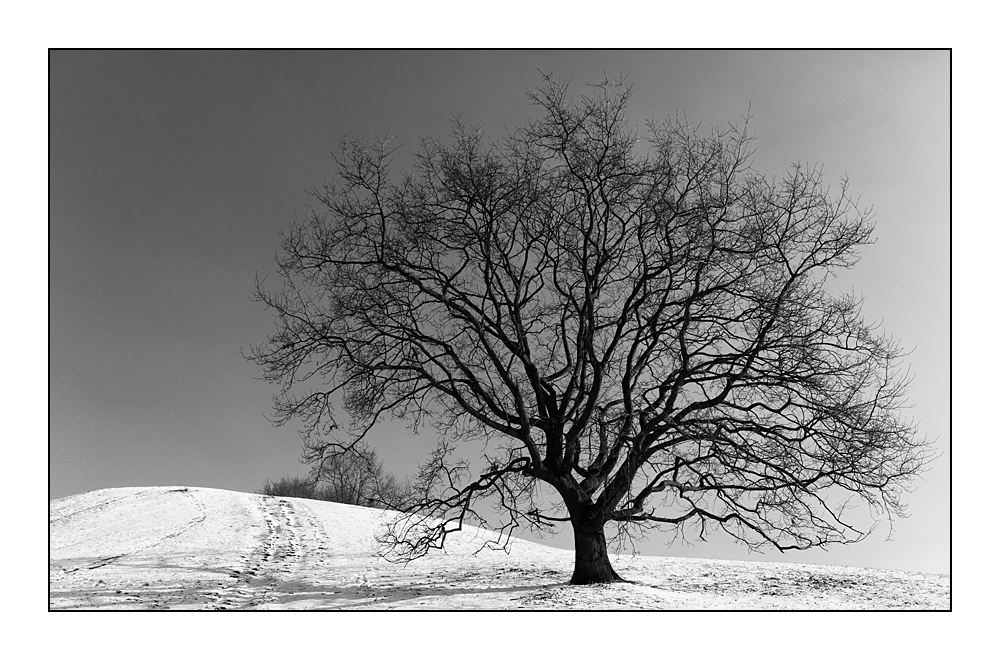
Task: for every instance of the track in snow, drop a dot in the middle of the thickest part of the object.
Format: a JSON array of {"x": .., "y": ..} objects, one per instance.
[{"x": 291, "y": 534}]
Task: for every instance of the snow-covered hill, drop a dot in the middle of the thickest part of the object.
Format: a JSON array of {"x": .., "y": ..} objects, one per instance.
[{"x": 203, "y": 548}]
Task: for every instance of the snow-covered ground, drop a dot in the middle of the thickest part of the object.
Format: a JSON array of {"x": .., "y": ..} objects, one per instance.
[{"x": 203, "y": 548}]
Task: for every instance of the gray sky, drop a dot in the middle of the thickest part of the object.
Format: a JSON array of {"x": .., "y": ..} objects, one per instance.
[{"x": 171, "y": 174}]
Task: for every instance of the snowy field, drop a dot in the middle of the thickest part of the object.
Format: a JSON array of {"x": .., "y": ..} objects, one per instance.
[{"x": 208, "y": 549}]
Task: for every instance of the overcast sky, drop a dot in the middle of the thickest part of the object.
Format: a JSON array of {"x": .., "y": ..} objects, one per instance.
[{"x": 172, "y": 173}]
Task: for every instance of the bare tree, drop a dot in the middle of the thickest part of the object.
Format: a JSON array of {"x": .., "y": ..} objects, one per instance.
[
  {"x": 358, "y": 477},
  {"x": 355, "y": 477},
  {"x": 642, "y": 324}
]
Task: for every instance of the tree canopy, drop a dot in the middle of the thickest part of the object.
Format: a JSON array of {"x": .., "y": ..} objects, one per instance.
[{"x": 637, "y": 318}]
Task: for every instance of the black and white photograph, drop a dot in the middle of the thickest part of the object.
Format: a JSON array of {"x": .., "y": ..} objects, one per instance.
[{"x": 627, "y": 330}]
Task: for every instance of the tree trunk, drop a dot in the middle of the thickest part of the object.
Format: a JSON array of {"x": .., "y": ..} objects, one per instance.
[{"x": 592, "y": 563}]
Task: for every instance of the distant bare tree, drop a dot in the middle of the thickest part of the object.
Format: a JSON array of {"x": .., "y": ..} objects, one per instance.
[
  {"x": 355, "y": 477},
  {"x": 302, "y": 487},
  {"x": 646, "y": 330},
  {"x": 358, "y": 477}
]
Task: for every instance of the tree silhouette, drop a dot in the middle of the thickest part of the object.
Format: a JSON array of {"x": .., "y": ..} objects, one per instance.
[{"x": 642, "y": 324}]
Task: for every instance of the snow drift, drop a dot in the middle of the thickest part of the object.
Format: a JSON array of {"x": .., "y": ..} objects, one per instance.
[{"x": 203, "y": 548}]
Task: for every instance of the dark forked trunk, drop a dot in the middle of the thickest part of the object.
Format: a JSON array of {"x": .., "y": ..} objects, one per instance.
[{"x": 592, "y": 563}]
